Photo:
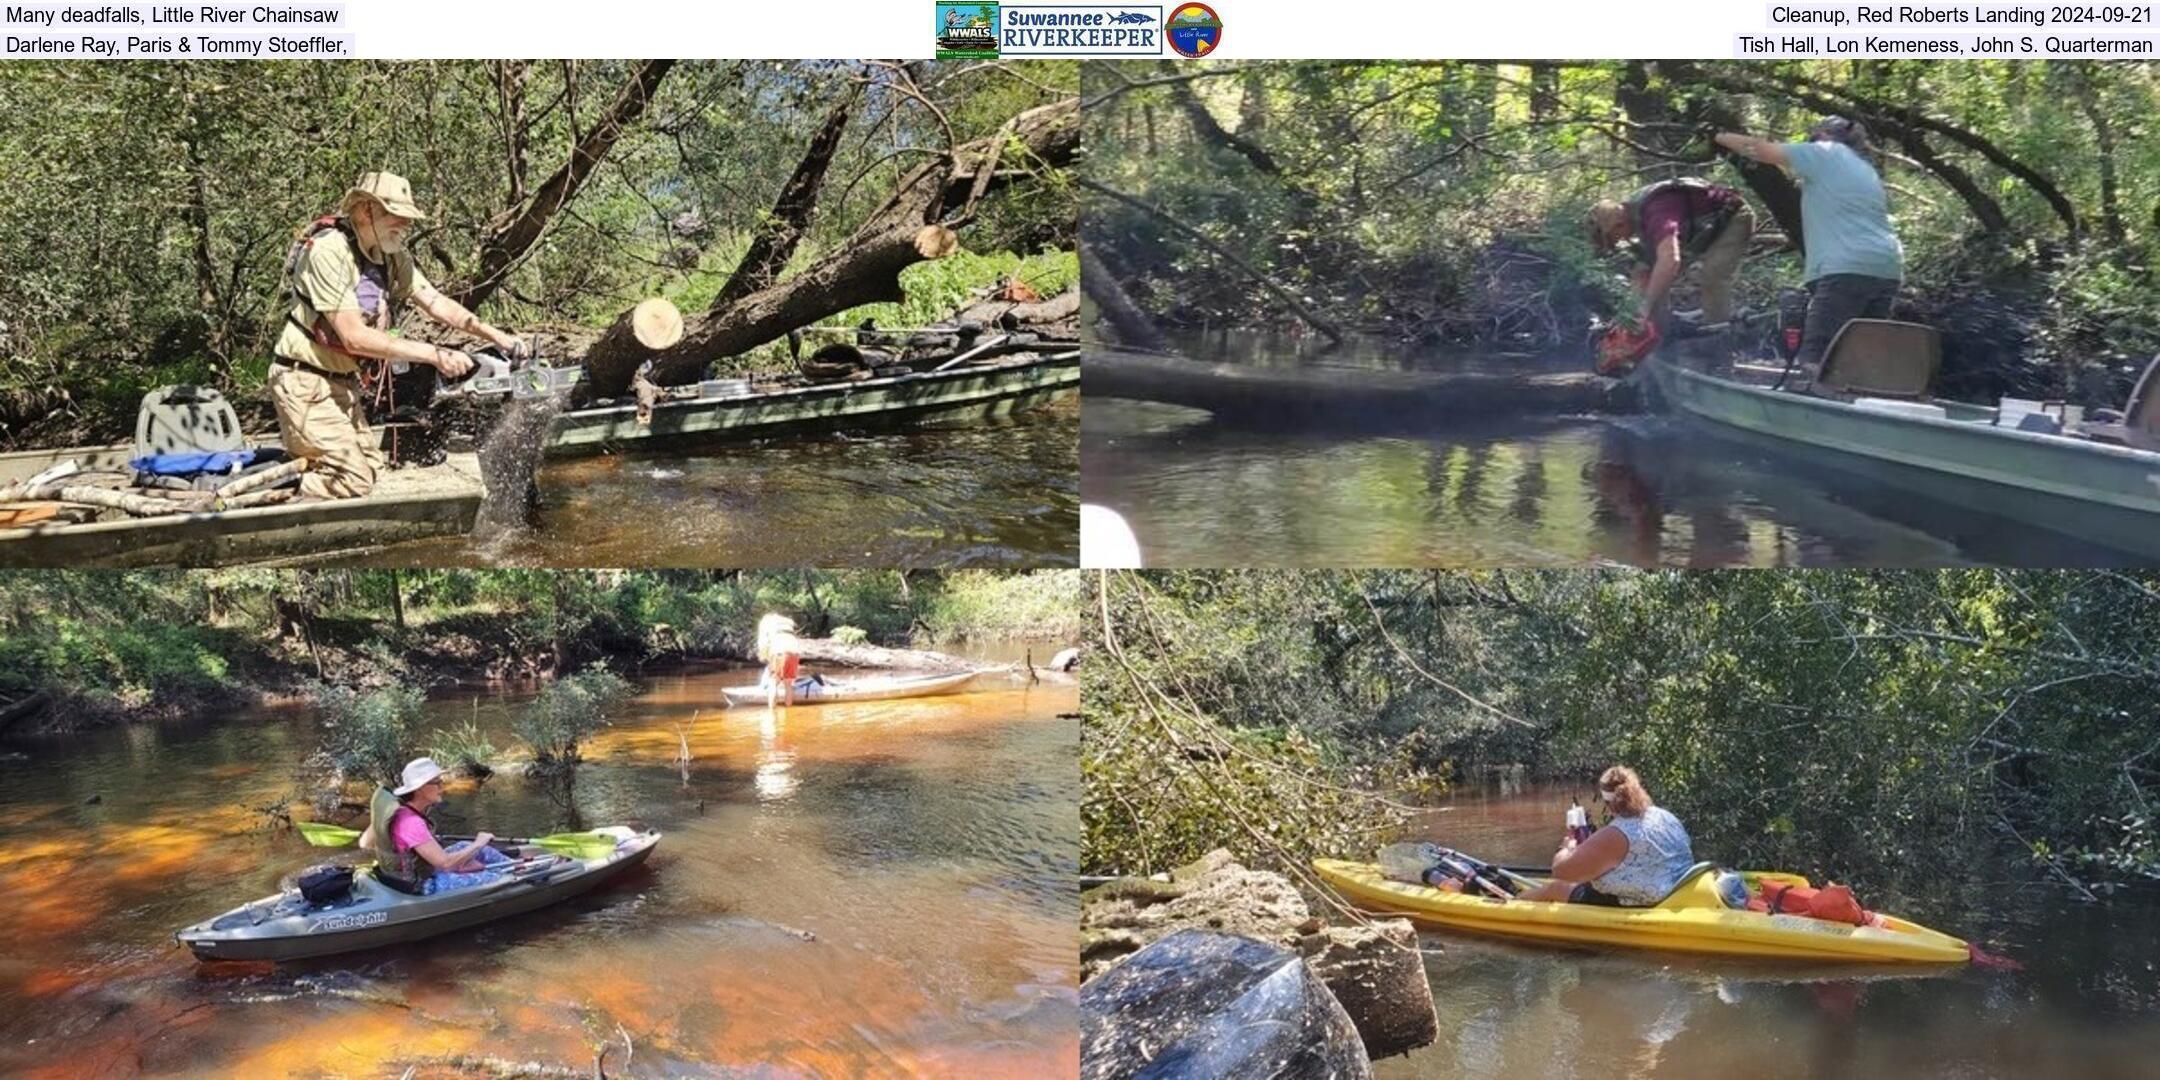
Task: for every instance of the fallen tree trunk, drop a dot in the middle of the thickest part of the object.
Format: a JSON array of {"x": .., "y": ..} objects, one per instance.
[
  {"x": 1132, "y": 325},
  {"x": 654, "y": 324},
  {"x": 828, "y": 651},
  {"x": 1319, "y": 395},
  {"x": 514, "y": 234},
  {"x": 865, "y": 268}
]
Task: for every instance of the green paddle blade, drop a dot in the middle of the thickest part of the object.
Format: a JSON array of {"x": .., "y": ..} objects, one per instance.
[
  {"x": 323, "y": 834},
  {"x": 577, "y": 845},
  {"x": 582, "y": 845}
]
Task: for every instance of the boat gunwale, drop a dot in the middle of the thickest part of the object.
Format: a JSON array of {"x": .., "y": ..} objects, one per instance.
[
  {"x": 1835, "y": 407},
  {"x": 834, "y": 389}
]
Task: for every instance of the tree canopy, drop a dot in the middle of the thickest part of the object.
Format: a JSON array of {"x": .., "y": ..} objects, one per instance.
[
  {"x": 1442, "y": 201},
  {"x": 1897, "y": 729},
  {"x": 151, "y": 206}
]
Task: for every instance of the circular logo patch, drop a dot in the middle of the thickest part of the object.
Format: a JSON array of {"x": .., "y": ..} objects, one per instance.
[{"x": 1195, "y": 30}]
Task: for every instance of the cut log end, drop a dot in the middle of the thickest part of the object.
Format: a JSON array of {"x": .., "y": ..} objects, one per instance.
[
  {"x": 656, "y": 323},
  {"x": 936, "y": 242},
  {"x": 652, "y": 325}
]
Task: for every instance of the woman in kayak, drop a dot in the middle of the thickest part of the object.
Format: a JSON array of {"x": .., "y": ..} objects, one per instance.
[
  {"x": 781, "y": 653},
  {"x": 1632, "y": 862},
  {"x": 407, "y": 856}
]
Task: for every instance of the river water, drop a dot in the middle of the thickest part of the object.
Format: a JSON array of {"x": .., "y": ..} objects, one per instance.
[
  {"x": 1508, "y": 491},
  {"x": 2086, "y": 1004},
  {"x": 841, "y": 890},
  {"x": 1000, "y": 492}
]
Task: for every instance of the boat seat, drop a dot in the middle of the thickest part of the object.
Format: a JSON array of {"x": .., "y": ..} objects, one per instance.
[
  {"x": 2140, "y": 423},
  {"x": 1696, "y": 888},
  {"x": 185, "y": 420},
  {"x": 1881, "y": 358}
]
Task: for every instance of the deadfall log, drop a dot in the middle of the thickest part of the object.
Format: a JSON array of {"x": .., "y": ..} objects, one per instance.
[
  {"x": 865, "y": 268},
  {"x": 1321, "y": 395},
  {"x": 654, "y": 324}
]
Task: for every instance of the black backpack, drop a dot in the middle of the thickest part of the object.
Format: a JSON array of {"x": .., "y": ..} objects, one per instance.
[{"x": 325, "y": 884}]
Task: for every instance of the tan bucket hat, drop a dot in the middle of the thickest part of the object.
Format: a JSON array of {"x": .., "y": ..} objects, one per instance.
[{"x": 389, "y": 189}]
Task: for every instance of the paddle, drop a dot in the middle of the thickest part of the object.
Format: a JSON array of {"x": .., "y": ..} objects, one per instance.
[{"x": 577, "y": 845}]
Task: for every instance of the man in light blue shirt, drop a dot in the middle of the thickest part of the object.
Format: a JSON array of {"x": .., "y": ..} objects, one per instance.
[{"x": 1854, "y": 261}]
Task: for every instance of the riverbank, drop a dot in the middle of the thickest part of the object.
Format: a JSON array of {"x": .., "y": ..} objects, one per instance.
[{"x": 82, "y": 651}]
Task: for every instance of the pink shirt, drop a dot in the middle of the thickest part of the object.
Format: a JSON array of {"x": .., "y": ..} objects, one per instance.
[{"x": 409, "y": 830}]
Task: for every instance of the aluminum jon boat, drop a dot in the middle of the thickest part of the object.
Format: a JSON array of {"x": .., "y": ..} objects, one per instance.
[
  {"x": 1693, "y": 919},
  {"x": 287, "y": 927},
  {"x": 872, "y": 689},
  {"x": 987, "y": 388},
  {"x": 1875, "y": 419}
]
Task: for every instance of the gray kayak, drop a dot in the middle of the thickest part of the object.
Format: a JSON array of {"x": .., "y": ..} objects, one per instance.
[{"x": 288, "y": 927}]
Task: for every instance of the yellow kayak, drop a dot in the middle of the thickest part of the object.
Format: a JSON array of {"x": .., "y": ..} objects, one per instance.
[{"x": 1693, "y": 919}]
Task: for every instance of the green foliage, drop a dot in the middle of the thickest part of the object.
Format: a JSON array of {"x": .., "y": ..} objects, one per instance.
[
  {"x": 982, "y": 604},
  {"x": 151, "y": 206},
  {"x": 132, "y": 639},
  {"x": 464, "y": 748},
  {"x": 850, "y": 635},
  {"x": 568, "y": 712},
  {"x": 1443, "y": 201},
  {"x": 1895, "y": 729},
  {"x": 367, "y": 734}
]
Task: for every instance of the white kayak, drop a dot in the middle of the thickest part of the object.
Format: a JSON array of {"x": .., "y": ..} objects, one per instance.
[{"x": 875, "y": 688}]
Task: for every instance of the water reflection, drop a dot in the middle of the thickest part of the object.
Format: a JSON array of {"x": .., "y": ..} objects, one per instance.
[
  {"x": 989, "y": 493},
  {"x": 1642, "y": 491},
  {"x": 843, "y": 890}
]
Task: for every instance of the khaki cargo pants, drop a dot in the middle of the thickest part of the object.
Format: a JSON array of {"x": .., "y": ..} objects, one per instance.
[
  {"x": 1719, "y": 265},
  {"x": 323, "y": 420}
]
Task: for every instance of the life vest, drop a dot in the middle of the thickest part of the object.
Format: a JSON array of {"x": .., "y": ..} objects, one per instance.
[
  {"x": 319, "y": 331},
  {"x": 1832, "y": 903},
  {"x": 404, "y": 870},
  {"x": 1697, "y": 229}
]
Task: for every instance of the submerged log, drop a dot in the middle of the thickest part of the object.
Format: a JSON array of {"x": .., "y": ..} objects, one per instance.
[{"x": 1322, "y": 395}]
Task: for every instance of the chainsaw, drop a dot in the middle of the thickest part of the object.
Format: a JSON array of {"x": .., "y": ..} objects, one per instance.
[{"x": 495, "y": 375}]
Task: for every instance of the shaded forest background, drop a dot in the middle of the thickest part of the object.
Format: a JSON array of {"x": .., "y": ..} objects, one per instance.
[
  {"x": 150, "y": 206},
  {"x": 1441, "y": 202},
  {"x": 83, "y": 648},
  {"x": 1899, "y": 730}
]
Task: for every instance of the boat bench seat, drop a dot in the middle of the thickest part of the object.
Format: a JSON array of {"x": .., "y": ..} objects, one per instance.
[
  {"x": 2140, "y": 422},
  {"x": 1881, "y": 358}
]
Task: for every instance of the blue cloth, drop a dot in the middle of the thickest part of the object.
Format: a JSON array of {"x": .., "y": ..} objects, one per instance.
[
  {"x": 1844, "y": 213},
  {"x": 194, "y": 463},
  {"x": 442, "y": 881}
]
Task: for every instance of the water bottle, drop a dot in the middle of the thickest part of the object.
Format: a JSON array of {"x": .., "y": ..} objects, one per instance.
[
  {"x": 1409, "y": 862},
  {"x": 1578, "y": 822}
]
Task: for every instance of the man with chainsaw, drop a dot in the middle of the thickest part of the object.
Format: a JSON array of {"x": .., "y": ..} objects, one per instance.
[
  {"x": 348, "y": 275},
  {"x": 1667, "y": 227}
]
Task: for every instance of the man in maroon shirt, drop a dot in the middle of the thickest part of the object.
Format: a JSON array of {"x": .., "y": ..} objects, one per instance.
[{"x": 1671, "y": 224}]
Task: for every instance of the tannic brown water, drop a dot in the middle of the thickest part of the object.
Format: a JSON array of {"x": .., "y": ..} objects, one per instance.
[
  {"x": 2086, "y": 1004},
  {"x": 1001, "y": 492},
  {"x": 1508, "y": 491},
  {"x": 925, "y": 847}
]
